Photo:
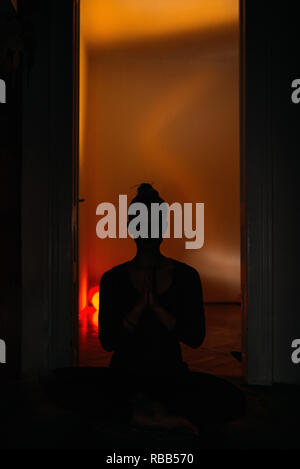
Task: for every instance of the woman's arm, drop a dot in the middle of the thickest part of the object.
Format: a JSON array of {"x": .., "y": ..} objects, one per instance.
[
  {"x": 164, "y": 316},
  {"x": 190, "y": 325},
  {"x": 132, "y": 318},
  {"x": 114, "y": 328}
]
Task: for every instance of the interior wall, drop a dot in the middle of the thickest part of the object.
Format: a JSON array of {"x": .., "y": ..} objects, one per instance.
[
  {"x": 272, "y": 182},
  {"x": 10, "y": 203},
  {"x": 160, "y": 104},
  {"x": 284, "y": 122}
]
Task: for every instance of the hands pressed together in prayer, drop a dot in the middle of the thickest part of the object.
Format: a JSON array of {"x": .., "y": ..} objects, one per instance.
[{"x": 149, "y": 301}]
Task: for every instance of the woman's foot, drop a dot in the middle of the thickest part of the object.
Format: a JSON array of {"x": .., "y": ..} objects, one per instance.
[
  {"x": 158, "y": 417},
  {"x": 173, "y": 421}
]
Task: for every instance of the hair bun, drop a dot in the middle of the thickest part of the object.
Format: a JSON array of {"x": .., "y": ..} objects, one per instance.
[
  {"x": 146, "y": 194},
  {"x": 146, "y": 189}
]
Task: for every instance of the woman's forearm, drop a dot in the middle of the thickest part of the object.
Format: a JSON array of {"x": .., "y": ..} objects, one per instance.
[
  {"x": 166, "y": 318},
  {"x": 132, "y": 317}
]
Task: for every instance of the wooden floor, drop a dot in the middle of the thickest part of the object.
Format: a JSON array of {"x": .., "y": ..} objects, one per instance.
[{"x": 223, "y": 336}]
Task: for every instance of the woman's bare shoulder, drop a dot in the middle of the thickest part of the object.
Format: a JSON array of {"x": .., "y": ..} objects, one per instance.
[
  {"x": 185, "y": 269},
  {"x": 183, "y": 265},
  {"x": 115, "y": 271}
]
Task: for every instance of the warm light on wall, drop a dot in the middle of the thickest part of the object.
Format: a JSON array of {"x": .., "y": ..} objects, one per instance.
[
  {"x": 165, "y": 111},
  {"x": 93, "y": 297},
  {"x": 112, "y": 21},
  {"x": 88, "y": 314}
]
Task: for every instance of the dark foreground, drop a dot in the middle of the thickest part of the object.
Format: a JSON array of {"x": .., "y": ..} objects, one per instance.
[{"x": 32, "y": 417}]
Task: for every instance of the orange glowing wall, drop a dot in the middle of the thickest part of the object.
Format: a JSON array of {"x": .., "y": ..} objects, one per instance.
[{"x": 159, "y": 103}]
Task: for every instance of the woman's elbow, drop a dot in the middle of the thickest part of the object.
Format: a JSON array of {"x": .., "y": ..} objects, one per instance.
[
  {"x": 106, "y": 343},
  {"x": 195, "y": 341},
  {"x": 107, "y": 347}
]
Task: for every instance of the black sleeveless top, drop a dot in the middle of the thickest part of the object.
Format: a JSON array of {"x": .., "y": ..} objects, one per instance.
[{"x": 151, "y": 349}]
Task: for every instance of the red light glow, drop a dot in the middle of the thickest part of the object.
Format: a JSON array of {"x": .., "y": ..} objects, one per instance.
[
  {"x": 93, "y": 297},
  {"x": 88, "y": 315}
]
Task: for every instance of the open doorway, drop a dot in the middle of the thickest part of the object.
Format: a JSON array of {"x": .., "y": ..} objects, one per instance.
[{"x": 159, "y": 102}]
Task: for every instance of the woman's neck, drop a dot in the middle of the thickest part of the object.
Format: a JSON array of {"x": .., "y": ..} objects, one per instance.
[{"x": 148, "y": 257}]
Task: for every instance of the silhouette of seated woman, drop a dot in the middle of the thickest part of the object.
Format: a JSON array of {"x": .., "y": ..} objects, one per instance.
[{"x": 148, "y": 305}]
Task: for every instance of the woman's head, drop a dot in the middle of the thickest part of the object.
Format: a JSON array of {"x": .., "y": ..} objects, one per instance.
[{"x": 147, "y": 195}]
